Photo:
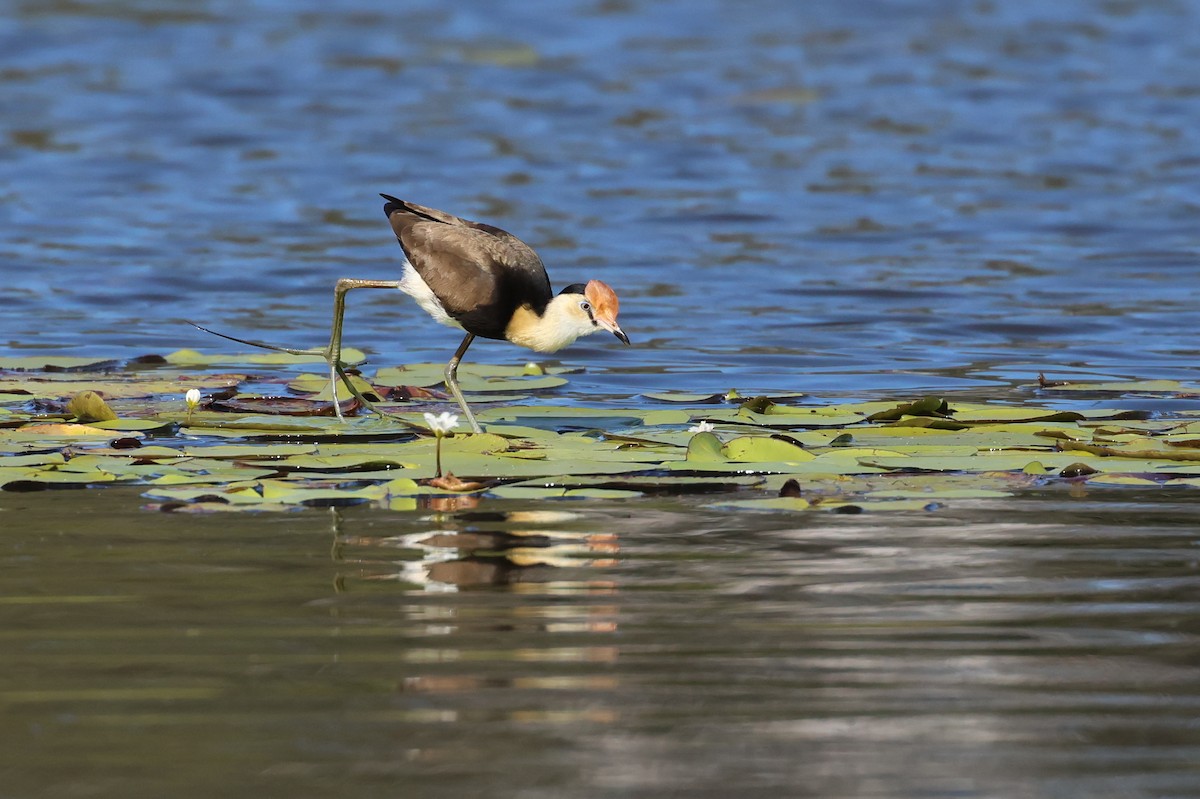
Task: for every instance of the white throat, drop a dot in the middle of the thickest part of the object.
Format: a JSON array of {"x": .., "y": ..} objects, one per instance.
[{"x": 558, "y": 327}]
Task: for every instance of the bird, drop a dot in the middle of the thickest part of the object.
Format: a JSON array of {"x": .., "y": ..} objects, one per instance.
[
  {"x": 483, "y": 280},
  {"x": 478, "y": 278}
]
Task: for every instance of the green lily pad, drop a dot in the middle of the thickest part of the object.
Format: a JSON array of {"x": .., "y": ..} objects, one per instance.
[
  {"x": 471, "y": 383},
  {"x": 666, "y": 417},
  {"x": 705, "y": 448},
  {"x": 679, "y": 396},
  {"x": 56, "y": 385},
  {"x": 195, "y": 358},
  {"x": 472, "y": 377},
  {"x": 1127, "y": 387},
  {"x": 133, "y": 425},
  {"x": 1120, "y": 480},
  {"x": 927, "y": 406},
  {"x": 944, "y": 493},
  {"x": 88, "y": 406},
  {"x": 57, "y": 432},
  {"x": 769, "y": 504},
  {"x": 913, "y": 456},
  {"x": 534, "y": 492},
  {"x": 345, "y": 463},
  {"x": 33, "y": 459},
  {"x": 764, "y": 448},
  {"x": 318, "y": 387},
  {"x": 33, "y": 363}
]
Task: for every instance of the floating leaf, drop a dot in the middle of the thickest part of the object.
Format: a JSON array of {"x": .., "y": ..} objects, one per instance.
[
  {"x": 691, "y": 399},
  {"x": 943, "y": 493},
  {"x": 1156, "y": 453},
  {"x": 134, "y": 425},
  {"x": 286, "y": 406},
  {"x": 195, "y": 358},
  {"x": 472, "y": 377},
  {"x": 1120, "y": 480},
  {"x": 34, "y": 459},
  {"x": 318, "y": 385},
  {"x": 762, "y": 448},
  {"x": 758, "y": 405},
  {"x": 601, "y": 493},
  {"x": 31, "y": 363},
  {"x": 771, "y": 504},
  {"x": 471, "y": 383},
  {"x": 1129, "y": 387},
  {"x": 927, "y": 406},
  {"x": 58, "y": 431},
  {"x": 666, "y": 417},
  {"x": 403, "y": 487},
  {"x": 88, "y": 406},
  {"x": 345, "y": 463},
  {"x": 1009, "y": 414},
  {"x": 112, "y": 386},
  {"x": 836, "y": 459},
  {"x": 705, "y": 448}
]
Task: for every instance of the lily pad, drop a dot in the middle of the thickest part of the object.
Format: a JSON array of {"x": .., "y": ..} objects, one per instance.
[
  {"x": 111, "y": 386},
  {"x": 705, "y": 448},
  {"x": 32, "y": 363},
  {"x": 475, "y": 377},
  {"x": 1128, "y": 387},
  {"x": 764, "y": 448},
  {"x": 847, "y": 458},
  {"x": 196, "y": 358},
  {"x": 654, "y": 418},
  {"x": 683, "y": 397}
]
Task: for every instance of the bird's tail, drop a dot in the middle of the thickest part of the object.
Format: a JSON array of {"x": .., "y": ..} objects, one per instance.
[{"x": 432, "y": 214}]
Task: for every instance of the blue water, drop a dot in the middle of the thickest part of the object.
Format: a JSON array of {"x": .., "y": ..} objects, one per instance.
[
  {"x": 855, "y": 199},
  {"x": 825, "y": 197}
]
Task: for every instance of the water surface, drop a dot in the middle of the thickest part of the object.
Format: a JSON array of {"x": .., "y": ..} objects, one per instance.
[{"x": 852, "y": 199}]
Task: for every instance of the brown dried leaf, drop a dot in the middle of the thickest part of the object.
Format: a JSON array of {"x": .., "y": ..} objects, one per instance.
[{"x": 448, "y": 482}]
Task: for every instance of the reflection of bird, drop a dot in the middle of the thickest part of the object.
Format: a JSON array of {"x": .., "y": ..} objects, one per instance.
[{"x": 485, "y": 281}]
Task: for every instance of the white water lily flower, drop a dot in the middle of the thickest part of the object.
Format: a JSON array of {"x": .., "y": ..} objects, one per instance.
[
  {"x": 192, "y": 398},
  {"x": 442, "y": 423},
  {"x": 701, "y": 427}
]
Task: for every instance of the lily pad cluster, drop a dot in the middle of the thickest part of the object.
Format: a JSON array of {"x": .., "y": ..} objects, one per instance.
[{"x": 271, "y": 441}]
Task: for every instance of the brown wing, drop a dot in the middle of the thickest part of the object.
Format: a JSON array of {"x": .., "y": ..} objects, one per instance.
[{"x": 480, "y": 273}]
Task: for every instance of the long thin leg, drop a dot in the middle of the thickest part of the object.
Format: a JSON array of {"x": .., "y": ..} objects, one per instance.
[
  {"x": 252, "y": 343},
  {"x": 452, "y": 382},
  {"x": 333, "y": 353},
  {"x": 336, "y": 369}
]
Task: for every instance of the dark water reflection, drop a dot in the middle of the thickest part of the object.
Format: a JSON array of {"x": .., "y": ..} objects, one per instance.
[
  {"x": 856, "y": 198},
  {"x": 605, "y": 650}
]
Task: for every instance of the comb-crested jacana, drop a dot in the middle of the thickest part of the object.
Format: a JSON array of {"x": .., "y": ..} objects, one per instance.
[
  {"x": 475, "y": 277},
  {"x": 485, "y": 281}
]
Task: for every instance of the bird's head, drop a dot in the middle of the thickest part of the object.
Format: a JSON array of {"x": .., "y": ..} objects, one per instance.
[
  {"x": 578, "y": 310},
  {"x": 594, "y": 308}
]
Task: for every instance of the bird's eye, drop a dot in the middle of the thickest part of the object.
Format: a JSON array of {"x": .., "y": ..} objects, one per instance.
[{"x": 585, "y": 305}]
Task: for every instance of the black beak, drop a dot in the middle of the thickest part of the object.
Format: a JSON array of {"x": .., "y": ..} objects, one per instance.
[{"x": 619, "y": 333}]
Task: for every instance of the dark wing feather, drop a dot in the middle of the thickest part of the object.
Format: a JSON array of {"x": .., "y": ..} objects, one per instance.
[{"x": 480, "y": 273}]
